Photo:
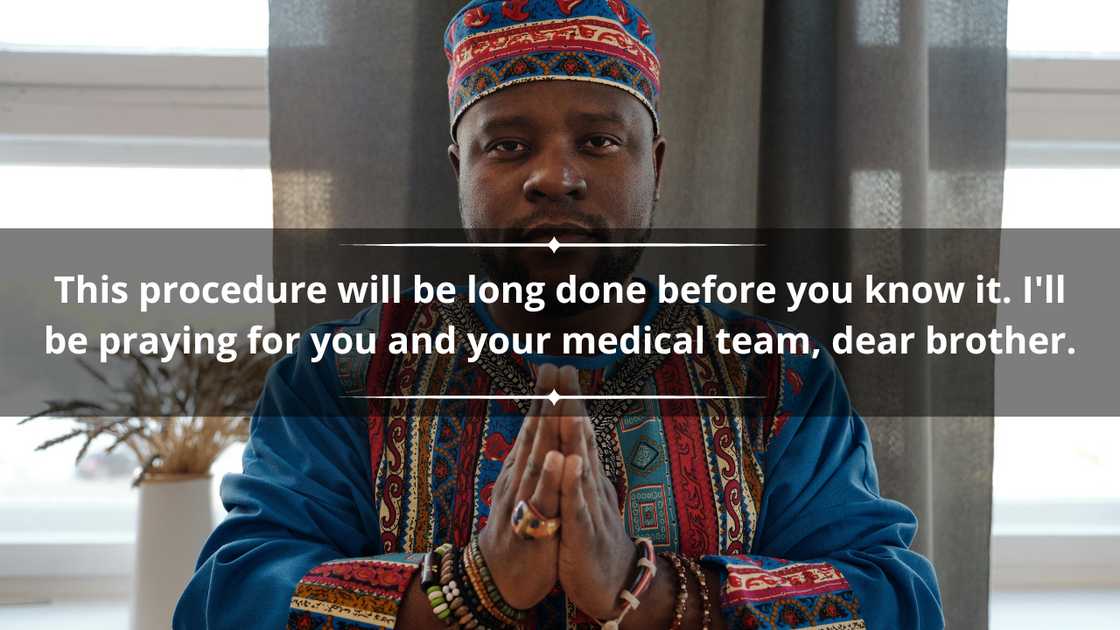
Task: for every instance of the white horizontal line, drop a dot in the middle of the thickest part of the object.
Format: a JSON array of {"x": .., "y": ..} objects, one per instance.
[
  {"x": 558, "y": 397},
  {"x": 553, "y": 245}
]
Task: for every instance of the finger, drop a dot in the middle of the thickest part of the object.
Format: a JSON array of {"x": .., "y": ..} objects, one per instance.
[
  {"x": 547, "y": 439},
  {"x": 507, "y": 488},
  {"x": 576, "y": 408},
  {"x": 546, "y": 497},
  {"x": 574, "y": 412},
  {"x": 573, "y": 388},
  {"x": 567, "y": 381},
  {"x": 575, "y": 518},
  {"x": 509, "y": 478},
  {"x": 572, "y": 439},
  {"x": 515, "y": 459},
  {"x": 573, "y": 443},
  {"x": 546, "y": 379},
  {"x": 514, "y": 463},
  {"x": 524, "y": 440}
]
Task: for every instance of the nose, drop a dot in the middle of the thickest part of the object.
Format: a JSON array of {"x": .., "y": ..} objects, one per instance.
[{"x": 554, "y": 177}]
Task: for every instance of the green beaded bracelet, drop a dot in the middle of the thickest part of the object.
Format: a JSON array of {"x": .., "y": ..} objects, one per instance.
[{"x": 430, "y": 583}]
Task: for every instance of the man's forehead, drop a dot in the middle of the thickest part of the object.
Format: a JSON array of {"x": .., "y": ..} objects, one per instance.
[{"x": 552, "y": 103}]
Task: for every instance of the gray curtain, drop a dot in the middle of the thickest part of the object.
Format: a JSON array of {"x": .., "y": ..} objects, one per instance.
[
  {"x": 892, "y": 114},
  {"x": 856, "y": 113}
]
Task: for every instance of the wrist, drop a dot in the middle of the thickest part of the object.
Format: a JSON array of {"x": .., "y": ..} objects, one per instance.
[
  {"x": 489, "y": 595},
  {"x": 509, "y": 589},
  {"x": 622, "y": 576},
  {"x": 630, "y": 597},
  {"x": 656, "y": 610}
]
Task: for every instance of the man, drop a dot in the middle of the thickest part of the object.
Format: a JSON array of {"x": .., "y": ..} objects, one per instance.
[{"x": 380, "y": 493}]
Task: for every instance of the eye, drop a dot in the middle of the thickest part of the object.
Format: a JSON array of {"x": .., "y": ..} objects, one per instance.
[
  {"x": 507, "y": 147},
  {"x": 600, "y": 143}
]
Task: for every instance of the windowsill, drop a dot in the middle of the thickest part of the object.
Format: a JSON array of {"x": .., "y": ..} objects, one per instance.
[
  {"x": 1038, "y": 609},
  {"x": 87, "y": 614},
  {"x": 1047, "y": 562}
]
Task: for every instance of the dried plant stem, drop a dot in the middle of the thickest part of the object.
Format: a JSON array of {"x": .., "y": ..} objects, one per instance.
[{"x": 176, "y": 419}]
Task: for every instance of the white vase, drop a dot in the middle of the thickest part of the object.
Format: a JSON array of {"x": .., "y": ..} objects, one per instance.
[{"x": 174, "y": 519}]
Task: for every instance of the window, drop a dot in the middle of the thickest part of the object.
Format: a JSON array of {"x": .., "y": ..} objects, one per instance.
[
  {"x": 1074, "y": 28},
  {"x": 51, "y": 196},
  {"x": 118, "y": 113},
  {"x": 1081, "y": 468},
  {"x": 1058, "y": 523},
  {"x": 136, "y": 26},
  {"x": 47, "y": 499},
  {"x": 1086, "y": 197}
]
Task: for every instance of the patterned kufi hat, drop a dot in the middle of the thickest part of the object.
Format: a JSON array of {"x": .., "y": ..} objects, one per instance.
[{"x": 492, "y": 44}]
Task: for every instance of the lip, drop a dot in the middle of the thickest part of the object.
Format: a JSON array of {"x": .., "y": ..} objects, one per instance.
[{"x": 563, "y": 232}]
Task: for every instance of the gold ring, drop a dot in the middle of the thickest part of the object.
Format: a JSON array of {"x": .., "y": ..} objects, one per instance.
[{"x": 530, "y": 524}]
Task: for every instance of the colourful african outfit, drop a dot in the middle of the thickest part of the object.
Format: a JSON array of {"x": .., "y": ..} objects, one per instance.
[
  {"x": 339, "y": 494},
  {"x": 348, "y": 477}
]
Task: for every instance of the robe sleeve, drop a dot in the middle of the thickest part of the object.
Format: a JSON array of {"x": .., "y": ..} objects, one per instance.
[
  {"x": 830, "y": 552},
  {"x": 297, "y": 546}
]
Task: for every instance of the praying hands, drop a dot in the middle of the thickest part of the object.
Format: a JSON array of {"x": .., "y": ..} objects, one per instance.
[{"x": 555, "y": 517}]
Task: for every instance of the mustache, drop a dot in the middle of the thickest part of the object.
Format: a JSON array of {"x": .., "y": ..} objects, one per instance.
[
  {"x": 558, "y": 221},
  {"x": 559, "y": 230}
]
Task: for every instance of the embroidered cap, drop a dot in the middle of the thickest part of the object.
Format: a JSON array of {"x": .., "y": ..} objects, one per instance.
[{"x": 492, "y": 44}]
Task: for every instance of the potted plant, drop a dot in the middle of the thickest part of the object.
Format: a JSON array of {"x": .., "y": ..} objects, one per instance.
[{"x": 176, "y": 419}]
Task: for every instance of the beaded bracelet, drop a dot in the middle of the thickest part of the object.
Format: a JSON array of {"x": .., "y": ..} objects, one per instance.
[
  {"x": 476, "y": 593},
  {"x": 681, "y": 605},
  {"x": 460, "y": 613},
  {"x": 429, "y": 582},
  {"x": 489, "y": 595},
  {"x": 471, "y": 597},
  {"x": 647, "y": 569},
  {"x": 694, "y": 567}
]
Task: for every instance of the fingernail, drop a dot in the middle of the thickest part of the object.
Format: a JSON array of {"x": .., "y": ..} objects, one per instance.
[
  {"x": 553, "y": 461},
  {"x": 568, "y": 376},
  {"x": 578, "y": 465}
]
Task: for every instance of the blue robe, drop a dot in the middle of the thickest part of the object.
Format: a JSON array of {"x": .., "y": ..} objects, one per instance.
[{"x": 340, "y": 494}]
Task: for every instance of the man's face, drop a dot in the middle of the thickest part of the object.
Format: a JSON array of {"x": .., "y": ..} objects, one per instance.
[{"x": 572, "y": 160}]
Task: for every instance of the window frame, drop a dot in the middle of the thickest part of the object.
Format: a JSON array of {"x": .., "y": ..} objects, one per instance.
[
  {"x": 127, "y": 108},
  {"x": 1062, "y": 112},
  {"x": 114, "y": 108}
]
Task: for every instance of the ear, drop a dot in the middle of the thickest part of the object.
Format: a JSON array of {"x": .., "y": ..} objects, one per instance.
[
  {"x": 453, "y": 156},
  {"x": 658, "y": 161}
]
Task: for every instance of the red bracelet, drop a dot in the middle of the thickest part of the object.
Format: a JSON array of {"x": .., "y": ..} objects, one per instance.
[{"x": 647, "y": 570}]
